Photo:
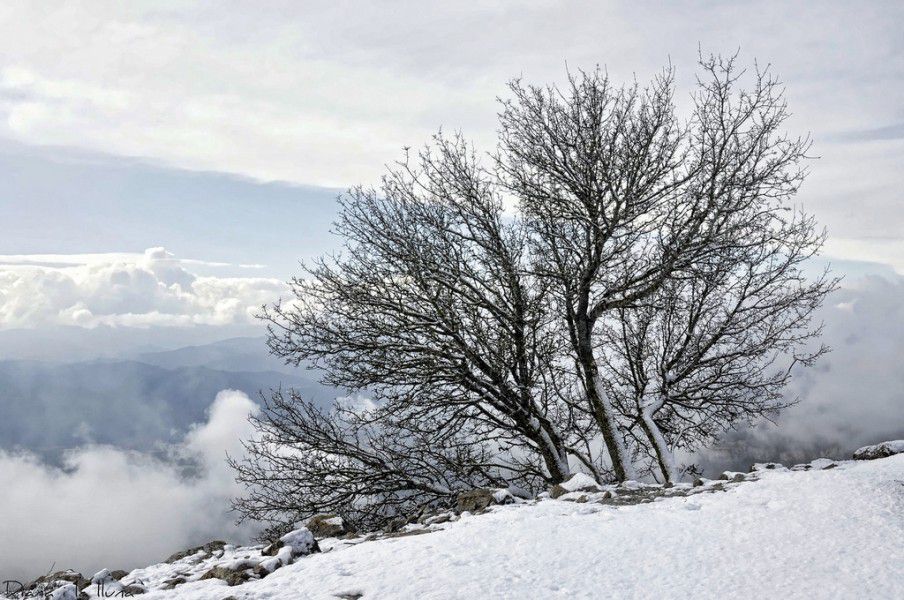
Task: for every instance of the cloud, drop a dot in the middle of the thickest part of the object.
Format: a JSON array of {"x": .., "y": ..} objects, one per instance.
[
  {"x": 327, "y": 93},
  {"x": 888, "y": 132},
  {"x": 136, "y": 290},
  {"x": 112, "y": 508},
  {"x": 853, "y": 397}
]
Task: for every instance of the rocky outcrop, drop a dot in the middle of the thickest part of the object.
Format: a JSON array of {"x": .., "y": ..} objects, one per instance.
[
  {"x": 208, "y": 549},
  {"x": 69, "y": 576},
  {"x": 326, "y": 526},
  {"x": 299, "y": 542},
  {"x": 579, "y": 482},
  {"x": 476, "y": 501},
  {"x": 230, "y": 576},
  {"x": 883, "y": 450}
]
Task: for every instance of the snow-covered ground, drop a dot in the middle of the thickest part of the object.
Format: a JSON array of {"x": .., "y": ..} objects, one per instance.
[{"x": 834, "y": 533}]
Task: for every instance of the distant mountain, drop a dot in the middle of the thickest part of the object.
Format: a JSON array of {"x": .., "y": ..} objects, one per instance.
[
  {"x": 48, "y": 407},
  {"x": 78, "y": 344},
  {"x": 234, "y": 354}
]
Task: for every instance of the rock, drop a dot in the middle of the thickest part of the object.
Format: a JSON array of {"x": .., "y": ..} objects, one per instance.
[
  {"x": 285, "y": 555},
  {"x": 132, "y": 590},
  {"x": 409, "y": 533},
  {"x": 770, "y": 466},
  {"x": 698, "y": 482},
  {"x": 265, "y": 567},
  {"x": 475, "y": 501},
  {"x": 395, "y": 525},
  {"x": 519, "y": 492},
  {"x": 272, "y": 548},
  {"x": 64, "y": 592},
  {"x": 440, "y": 518},
  {"x": 579, "y": 482},
  {"x": 208, "y": 548},
  {"x": 240, "y": 564},
  {"x": 102, "y": 576},
  {"x": 732, "y": 476},
  {"x": 69, "y": 576},
  {"x": 301, "y": 541},
  {"x": 822, "y": 464},
  {"x": 170, "y": 584},
  {"x": 118, "y": 574},
  {"x": 883, "y": 450},
  {"x": 228, "y": 575},
  {"x": 326, "y": 526}
]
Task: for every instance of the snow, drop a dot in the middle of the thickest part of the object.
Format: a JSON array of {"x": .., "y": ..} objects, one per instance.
[
  {"x": 817, "y": 533},
  {"x": 301, "y": 540},
  {"x": 503, "y": 497},
  {"x": 101, "y": 576},
  {"x": 579, "y": 481},
  {"x": 64, "y": 592}
]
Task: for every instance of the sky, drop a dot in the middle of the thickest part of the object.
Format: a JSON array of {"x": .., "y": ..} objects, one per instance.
[
  {"x": 274, "y": 106},
  {"x": 165, "y": 165}
]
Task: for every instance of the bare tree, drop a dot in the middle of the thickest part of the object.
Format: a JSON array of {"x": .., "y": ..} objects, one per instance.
[
  {"x": 647, "y": 296},
  {"x": 716, "y": 347},
  {"x": 433, "y": 310},
  {"x": 356, "y": 462},
  {"x": 622, "y": 196}
]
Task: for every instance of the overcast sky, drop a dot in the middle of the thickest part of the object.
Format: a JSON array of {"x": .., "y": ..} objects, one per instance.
[{"x": 322, "y": 94}]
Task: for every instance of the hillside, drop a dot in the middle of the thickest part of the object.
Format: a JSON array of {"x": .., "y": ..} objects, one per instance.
[
  {"x": 49, "y": 407},
  {"x": 824, "y": 530}
]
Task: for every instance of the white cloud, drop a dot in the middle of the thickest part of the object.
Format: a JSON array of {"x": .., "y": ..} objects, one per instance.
[
  {"x": 326, "y": 93},
  {"x": 112, "y": 508},
  {"x": 879, "y": 250},
  {"x": 137, "y": 290}
]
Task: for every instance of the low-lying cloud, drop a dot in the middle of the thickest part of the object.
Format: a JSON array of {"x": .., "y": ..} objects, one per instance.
[
  {"x": 854, "y": 396},
  {"x": 135, "y": 290},
  {"x": 108, "y": 507}
]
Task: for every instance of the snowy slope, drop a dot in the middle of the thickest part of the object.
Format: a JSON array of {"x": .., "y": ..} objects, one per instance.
[{"x": 836, "y": 533}]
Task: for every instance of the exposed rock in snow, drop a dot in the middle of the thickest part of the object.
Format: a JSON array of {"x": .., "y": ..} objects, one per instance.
[
  {"x": 327, "y": 525},
  {"x": 210, "y": 548},
  {"x": 68, "y": 576},
  {"x": 475, "y": 501},
  {"x": 579, "y": 482},
  {"x": 102, "y": 576},
  {"x": 822, "y": 464},
  {"x": 230, "y": 576},
  {"x": 301, "y": 541},
  {"x": 734, "y": 476},
  {"x": 883, "y": 450},
  {"x": 771, "y": 466},
  {"x": 65, "y": 592}
]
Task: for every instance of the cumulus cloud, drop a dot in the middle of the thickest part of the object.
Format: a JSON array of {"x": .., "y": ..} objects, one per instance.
[
  {"x": 136, "y": 290},
  {"x": 108, "y": 507}
]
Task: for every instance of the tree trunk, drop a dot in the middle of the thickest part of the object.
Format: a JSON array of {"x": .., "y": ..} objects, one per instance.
[
  {"x": 551, "y": 449},
  {"x": 602, "y": 409},
  {"x": 664, "y": 456}
]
